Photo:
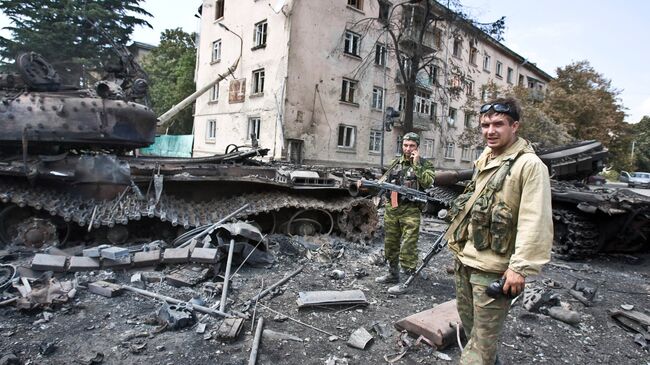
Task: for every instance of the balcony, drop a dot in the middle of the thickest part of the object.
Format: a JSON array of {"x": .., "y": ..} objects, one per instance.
[
  {"x": 413, "y": 18},
  {"x": 421, "y": 122}
]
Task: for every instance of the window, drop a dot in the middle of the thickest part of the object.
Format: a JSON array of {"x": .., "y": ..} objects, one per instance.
[
  {"x": 458, "y": 48},
  {"x": 449, "y": 151},
  {"x": 253, "y": 128},
  {"x": 384, "y": 10},
  {"x": 259, "y": 39},
  {"x": 509, "y": 74},
  {"x": 499, "y": 70},
  {"x": 258, "y": 81},
  {"x": 469, "y": 88},
  {"x": 484, "y": 93},
  {"x": 437, "y": 38},
  {"x": 211, "y": 130},
  {"x": 216, "y": 51},
  {"x": 433, "y": 74},
  {"x": 468, "y": 120},
  {"x": 347, "y": 90},
  {"x": 398, "y": 149},
  {"x": 434, "y": 111},
  {"x": 352, "y": 43},
  {"x": 380, "y": 55},
  {"x": 218, "y": 9},
  {"x": 377, "y": 97},
  {"x": 422, "y": 102},
  {"x": 473, "y": 54},
  {"x": 401, "y": 104},
  {"x": 521, "y": 80},
  {"x": 375, "y": 141},
  {"x": 477, "y": 152},
  {"x": 357, "y": 4},
  {"x": 465, "y": 154},
  {"x": 486, "y": 63},
  {"x": 214, "y": 92},
  {"x": 452, "y": 116},
  {"x": 407, "y": 65},
  {"x": 346, "y": 136},
  {"x": 428, "y": 148}
]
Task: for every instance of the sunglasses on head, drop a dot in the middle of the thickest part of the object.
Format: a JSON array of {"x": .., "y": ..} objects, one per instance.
[{"x": 500, "y": 108}]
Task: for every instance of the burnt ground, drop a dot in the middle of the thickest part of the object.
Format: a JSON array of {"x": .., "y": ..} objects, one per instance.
[{"x": 120, "y": 328}]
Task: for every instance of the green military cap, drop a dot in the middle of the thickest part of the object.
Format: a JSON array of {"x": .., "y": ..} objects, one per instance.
[{"x": 411, "y": 136}]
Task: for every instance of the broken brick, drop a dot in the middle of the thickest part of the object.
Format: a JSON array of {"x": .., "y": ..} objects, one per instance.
[
  {"x": 104, "y": 288},
  {"x": 176, "y": 255},
  {"x": 45, "y": 262},
  {"x": 81, "y": 263},
  {"x": 146, "y": 258},
  {"x": 204, "y": 255}
]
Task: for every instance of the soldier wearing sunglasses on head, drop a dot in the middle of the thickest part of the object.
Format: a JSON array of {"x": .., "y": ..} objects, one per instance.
[{"x": 501, "y": 229}]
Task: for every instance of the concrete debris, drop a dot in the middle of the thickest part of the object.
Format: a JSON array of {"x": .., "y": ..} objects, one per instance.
[
  {"x": 438, "y": 324},
  {"x": 331, "y": 297},
  {"x": 564, "y": 315},
  {"x": 360, "y": 338}
]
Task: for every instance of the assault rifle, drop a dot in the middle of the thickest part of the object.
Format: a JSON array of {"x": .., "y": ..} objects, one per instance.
[
  {"x": 409, "y": 193},
  {"x": 438, "y": 245}
]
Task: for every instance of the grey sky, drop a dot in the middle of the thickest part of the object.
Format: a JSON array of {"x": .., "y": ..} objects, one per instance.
[{"x": 610, "y": 34}]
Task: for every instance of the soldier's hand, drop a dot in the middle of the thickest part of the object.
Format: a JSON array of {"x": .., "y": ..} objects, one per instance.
[
  {"x": 359, "y": 183},
  {"x": 415, "y": 156},
  {"x": 514, "y": 283}
]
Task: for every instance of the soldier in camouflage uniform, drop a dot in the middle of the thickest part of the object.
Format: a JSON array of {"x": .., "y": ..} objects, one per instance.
[
  {"x": 501, "y": 227},
  {"x": 402, "y": 217}
]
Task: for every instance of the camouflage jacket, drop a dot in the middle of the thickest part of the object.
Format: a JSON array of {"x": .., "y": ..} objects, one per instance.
[
  {"x": 518, "y": 221},
  {"x": 424, "y": 172}
]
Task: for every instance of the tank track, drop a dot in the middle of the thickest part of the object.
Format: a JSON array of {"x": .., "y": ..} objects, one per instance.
[
  {"x": 355, "y": 218},
  {"x": 576, "y": 236}
]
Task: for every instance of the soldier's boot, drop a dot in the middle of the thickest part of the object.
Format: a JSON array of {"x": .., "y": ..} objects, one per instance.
[
  {"x": 391, "y": 277},
  {"x": 401, "y": 288}
]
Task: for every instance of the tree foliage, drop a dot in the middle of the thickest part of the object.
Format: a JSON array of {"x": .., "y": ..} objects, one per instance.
[
  {"x": 75, "y": 36},
  {"x": 641, "y": 133},
  {"x": 584, "y": 102},
  {"x": 171, "y": 76}
]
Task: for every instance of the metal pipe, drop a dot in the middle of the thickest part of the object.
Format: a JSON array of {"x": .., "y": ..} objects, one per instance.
[
  {"x": 256, "y": 342},
  {"x": 226, "y": 279},
  {"x": 167, "y": 299}
]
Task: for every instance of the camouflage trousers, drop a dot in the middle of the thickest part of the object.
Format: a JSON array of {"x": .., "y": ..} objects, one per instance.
[
  {"x": 482, "y": 316},
  {"x": 401, "y": 230}
]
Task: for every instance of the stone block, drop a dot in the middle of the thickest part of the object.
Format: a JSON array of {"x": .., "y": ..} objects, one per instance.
[
  {"x": 176, "y": 255},
  {"x": 45, "y": 262},
  {"x": 94, "y": 251},
  {"x": 146, "y": 258},
  {"x": 187, "y": 277},
  {"x": 205, "y": 255},
  {"x": 116, "y": 264},
  {"x": 104, "y": 288},
  {"x": 81, "y": 263},
  {"x": 153, "y": 276},
  {"x": 114, "y": 253}
]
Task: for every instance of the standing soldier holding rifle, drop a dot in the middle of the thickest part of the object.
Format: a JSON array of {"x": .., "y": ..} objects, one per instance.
[{"x": 402, "y": 215}]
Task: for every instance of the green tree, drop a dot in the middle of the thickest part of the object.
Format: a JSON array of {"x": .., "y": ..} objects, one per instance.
[
  {"x": 75, "y": 36},
  {"x": 641, "y": 138},
  {"x": 171, "y": 76},
  {"x": 584, "y": 101}
]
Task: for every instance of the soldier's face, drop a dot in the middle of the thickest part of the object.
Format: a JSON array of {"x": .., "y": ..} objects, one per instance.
[
  {"x": 408, "y": 147},
  {"x": 498, "y": 131}
]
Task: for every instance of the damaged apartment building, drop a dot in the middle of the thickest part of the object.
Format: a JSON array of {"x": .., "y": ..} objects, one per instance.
[{"x": 316, "y": 80}]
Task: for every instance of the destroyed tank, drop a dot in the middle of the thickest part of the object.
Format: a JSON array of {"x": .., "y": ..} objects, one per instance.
[
  {"x": 592, "y": 220},
  {"x": 68, "y": 170}
]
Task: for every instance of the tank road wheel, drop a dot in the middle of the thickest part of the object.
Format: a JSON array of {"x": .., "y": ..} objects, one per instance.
[
  {"x": 358, "y": 221},
  {"x": 32, "y": 229},
  {"x": 306, "y": 222}
]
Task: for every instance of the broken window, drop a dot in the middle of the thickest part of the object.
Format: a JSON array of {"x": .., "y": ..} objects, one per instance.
[
  {"x": 258, "y": 81},
  {"x": 468, "y": 120},
  {"x": 469, "y": 87},
  {"x": 357, "y": 4},
  {"x": 380, "y": 55},
  {"x": 211, "y": 130},
  {"x": 449, "y": 151},
  {"x": 352, "y": 43},
  {"x": 433, "y": 74},
  {"x": 458, "y": 48},
  {"x": 253, "y": 128},
  {"x": 377, "y": 98},
  {"x": 375, "y": 141},
  {"x": 509, "y": 74},
  {"x": 384, "y": 10},
  {"x": 218, "y": 9},
  {"x": 422, "y": 102},
  {"x": 499, "y": 69},
  {"x": 453, "y": 113},
  {"x": 259, "y": 38},
  {"x": 473, "y": 55},
  {"x": 216, "y": 51},
  {"x": 486, "y": 63},
  {"x": 465, "y": 154},
  {"x": 348, "y": 88},
  {"x": 346, "y": 136}
]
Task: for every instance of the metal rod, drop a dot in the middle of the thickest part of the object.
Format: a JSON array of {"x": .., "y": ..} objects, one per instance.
[
  {"x": 224, "y": 292},
  {"x": 167, "y": 299},
  {"x": 256, "y": 342},
  {"x": 267, "y": 290},
  {"x": 212, "y": 227},
  {"x": 297, "y": 321}
]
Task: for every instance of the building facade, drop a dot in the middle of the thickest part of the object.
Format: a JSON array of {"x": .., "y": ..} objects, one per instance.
[{"x": 315, "y": 79}]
